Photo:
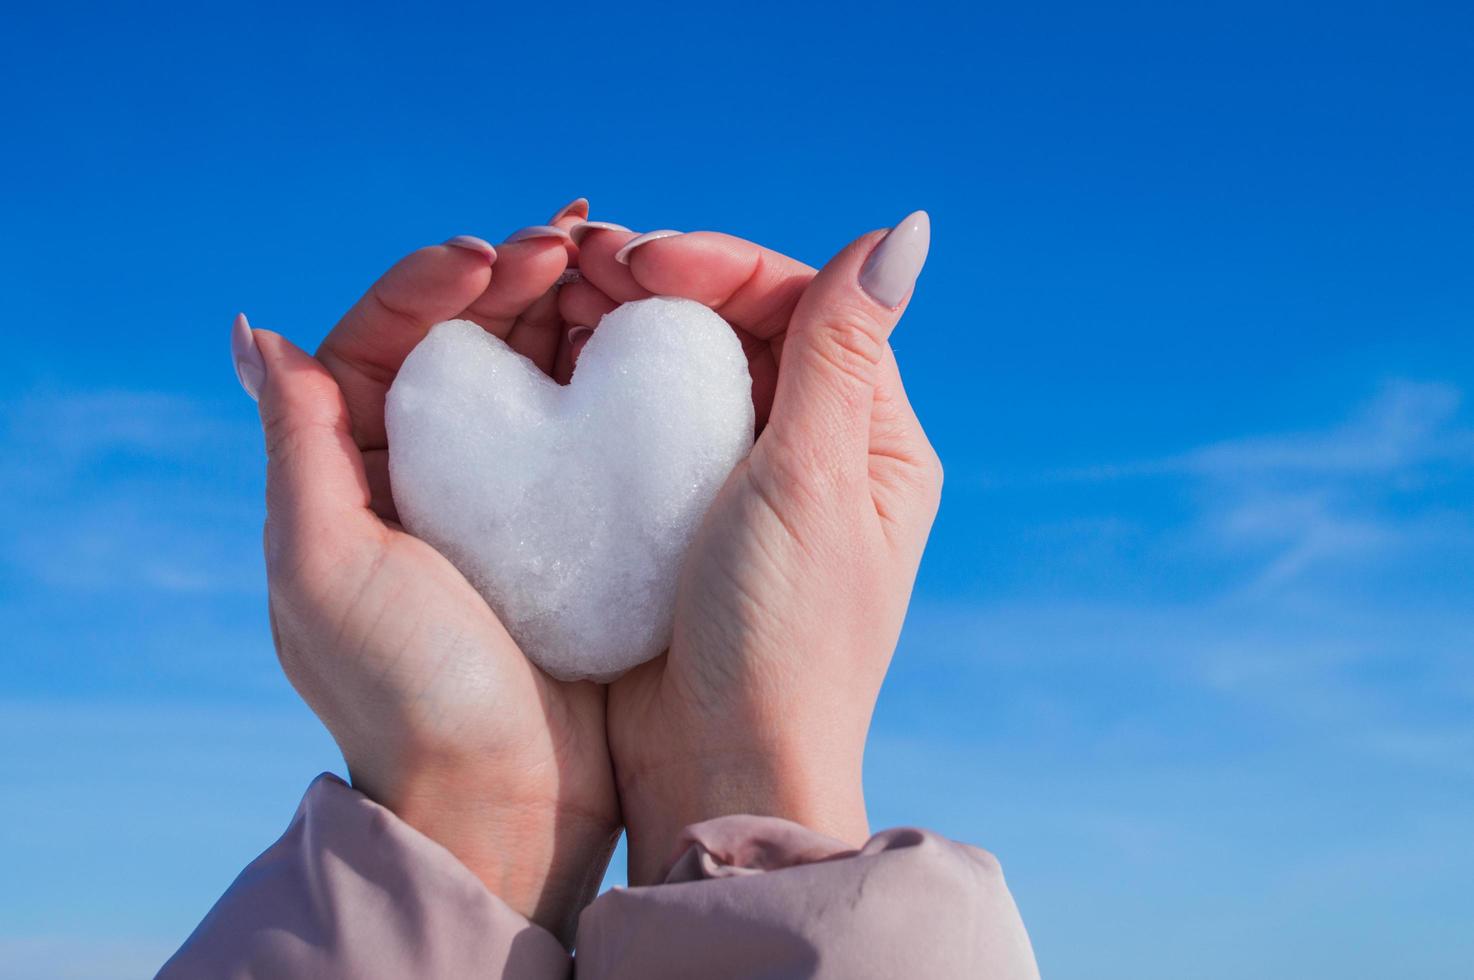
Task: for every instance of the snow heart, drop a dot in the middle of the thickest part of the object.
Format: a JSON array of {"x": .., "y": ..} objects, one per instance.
[{"x": 571, "y": 508}]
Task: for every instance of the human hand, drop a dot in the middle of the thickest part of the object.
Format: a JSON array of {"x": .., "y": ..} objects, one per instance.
[
  {"x": 438, "y": 714},
  {"x": 792, "y": 595}
]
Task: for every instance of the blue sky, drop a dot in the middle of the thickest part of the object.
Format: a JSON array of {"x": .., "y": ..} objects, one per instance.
[{"x": 1193, "y": 646}]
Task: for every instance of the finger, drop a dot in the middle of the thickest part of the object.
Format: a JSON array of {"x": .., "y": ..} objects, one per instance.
[
  {"x": 364, "y": 351},
  {"x": 836, "y": 343},
  {"x": 598, "y": 244},
  {"x": 573, "y": 213},
  {"x": 565, "y": 219},
  {"x": 754, "y": 288},
  {"x": 317, "y": 491},
  {"x": 538, "y": 332},
  {"x": 381, "y": 499},
  {"x": 525, "y": 270},
  {"x": 905, "y": 472},
  {"x": 573, "y": 344},
  {"x": 582, "y": 304},
  {"x": 563, "y": 361},
  {"x": 762, "y": 368}
]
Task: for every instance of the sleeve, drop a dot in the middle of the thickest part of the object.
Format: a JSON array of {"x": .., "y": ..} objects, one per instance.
[
  {"x": 350, "y": 890},
  {"x": 764, "y": 897}
]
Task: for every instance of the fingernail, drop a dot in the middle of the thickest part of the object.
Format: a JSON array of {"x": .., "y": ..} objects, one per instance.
[
  {"x": 579, "y": 231},
  {"x": 578, "y": 338},
  {"x": 250, "y": 369},
  {"x": 623, "y": 255},
  {"x": 473, "y": 244},
  {"x": 536, "y": 231},
  {"x": 891, "y": 270},
  {"x": 578, "y": 206}
]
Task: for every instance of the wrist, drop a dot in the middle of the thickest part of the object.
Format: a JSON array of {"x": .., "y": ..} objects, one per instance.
[
  {"x": 658, "y": 804},
  {"x": 543, "y": 859}
]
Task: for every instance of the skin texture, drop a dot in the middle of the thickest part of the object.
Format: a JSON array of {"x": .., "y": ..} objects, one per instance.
[
  {"x": 438, "y": 714},
  {"x": 793, "y": 594},
  {"x": 791, "y": 599}
]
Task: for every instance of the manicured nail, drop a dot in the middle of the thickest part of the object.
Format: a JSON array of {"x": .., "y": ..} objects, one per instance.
[
  {"x": 579, "y": 231},
  {"x": 250, "y": 369},
  {"x": 536, "y": 231},
  {"x": 579, "y": 206},
  {"x": 891, "y": 270},
  {"x": 578, "y": 338},
  {"x": 473, "y": 244},
  {"x": 623, "y": 255}
]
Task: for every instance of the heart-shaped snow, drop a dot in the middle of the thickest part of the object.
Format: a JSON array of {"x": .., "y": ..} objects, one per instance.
[{"x": 571, "y": 508}]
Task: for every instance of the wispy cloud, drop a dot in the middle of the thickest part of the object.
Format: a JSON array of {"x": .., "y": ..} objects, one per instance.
[
  {"x": 74, "y": 426},
  {"x": 125, "y": 490},
  {"x": 1308, "y": 500},
  {"x": 1318, "y": 582},
  {"x": 1407, "y": 425}
]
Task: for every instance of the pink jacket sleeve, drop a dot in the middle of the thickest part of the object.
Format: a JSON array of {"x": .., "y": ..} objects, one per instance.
[
  {"x": 763, "y": 897},
  {"x": 350, "y": 890}
]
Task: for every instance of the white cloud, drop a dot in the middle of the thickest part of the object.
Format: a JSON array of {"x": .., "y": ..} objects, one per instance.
[
  {"x": 1308, "y": 583},
  {"x": 1315, "y": 500},
  {"x": 126, "y": 490},
  {"x": 1408, "y": 424}
]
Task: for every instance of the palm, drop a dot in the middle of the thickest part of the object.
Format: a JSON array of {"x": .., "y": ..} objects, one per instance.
[
  {"x": 764, "y": 561},
  {"x": 418, "y": 640},
  {"x": 441, "y": 660}
]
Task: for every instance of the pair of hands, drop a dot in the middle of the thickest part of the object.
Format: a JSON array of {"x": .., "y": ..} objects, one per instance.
[{"x": 790, "y": 602}]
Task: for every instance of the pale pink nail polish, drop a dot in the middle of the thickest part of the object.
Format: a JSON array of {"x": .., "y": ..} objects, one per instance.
[
  {"x": 473, "y": 244},
  {"x": 536, "y": 231},
  {"x": 581, "y": 230},
  {"x": 892, "y": 267},
  {"x": 578, "y": 206},
  {"x": 250, "y": 369},
  {"x": 623, "y": 255},
  {"x": 577, "y": 334}
]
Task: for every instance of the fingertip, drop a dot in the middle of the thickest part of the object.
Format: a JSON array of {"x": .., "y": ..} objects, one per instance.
[
  {"x": 245, "y": 355},
  {"x": 533, "y": 232},
  {"x": 478, "y": 246},
  {"x": 581, "y": 230},
  {"x": 294, "y": 380},
  {"x": 701, "y": 265},
  {"x": 275, "y": 348},
  {"x": 627, "y": 250},
  {"x": 892, "y": 266},
  {"x": 576, "y": 209},
  {"x": 598, "y": 244}
]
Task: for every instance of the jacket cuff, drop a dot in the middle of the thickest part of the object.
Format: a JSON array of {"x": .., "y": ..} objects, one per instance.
[
  {"x": 761, "y": 897},
  {"x": 350, "y": 890}
]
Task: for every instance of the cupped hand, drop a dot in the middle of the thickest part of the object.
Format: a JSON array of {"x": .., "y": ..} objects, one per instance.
[
  {"x": 438, "y": 714},
  {"x": 792, "y": 595}
]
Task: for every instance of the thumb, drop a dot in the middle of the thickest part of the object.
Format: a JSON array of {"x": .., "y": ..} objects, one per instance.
[
  {"x": 836, "y": 344},
  {"x": 316, "y": 488}
]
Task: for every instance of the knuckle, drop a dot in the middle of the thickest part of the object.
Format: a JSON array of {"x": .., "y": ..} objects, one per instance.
[
  {"x": 935, "y": 472},
  {"x": 930, "y": 482},
  {"x": 783, "y": 475},
  {"x": 851, "y": 343},
  {"x": 279, "y": 434}
]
